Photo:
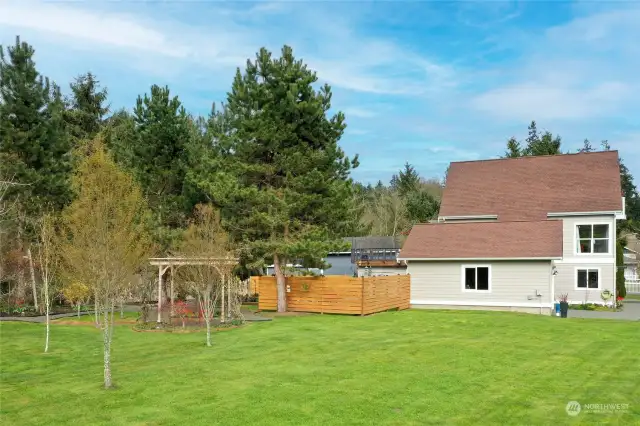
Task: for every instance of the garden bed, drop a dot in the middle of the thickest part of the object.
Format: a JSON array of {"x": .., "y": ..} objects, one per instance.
[
  {"x": 188, "y": 328},
  {"x": 594, "y": 307}
]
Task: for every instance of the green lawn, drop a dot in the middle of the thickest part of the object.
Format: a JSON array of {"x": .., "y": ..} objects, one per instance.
[{"x": 399, "y": 368}]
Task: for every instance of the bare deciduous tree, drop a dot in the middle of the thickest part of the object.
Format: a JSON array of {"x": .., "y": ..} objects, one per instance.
[
  {"x": 105, "y": 241},
  {"x": 206, "y": 241},
  {"x": 48, "y": 259}
]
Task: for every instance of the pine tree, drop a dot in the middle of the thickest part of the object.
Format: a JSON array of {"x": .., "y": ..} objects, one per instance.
[
  {"x": 87, "y": 107},
  {"x": 514, "y": 149},
  {"x": 154, "y": 144},
  {"x": 586, "y": 146},
  {"x": 406, "y": 181},
  {"x": 290, "y": 193},
  {"x": 533, "y": 137},
  {"x": 422, "y": 207},
  {"x": 546, "y": 145},
  {"x": 34, "y": 147}
]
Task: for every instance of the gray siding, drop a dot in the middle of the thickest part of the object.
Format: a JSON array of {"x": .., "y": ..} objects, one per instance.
[
  {"x": 340, "y": 265},
  {"x": 565, "y": 281},
  {"x": 513, "y": 283}
]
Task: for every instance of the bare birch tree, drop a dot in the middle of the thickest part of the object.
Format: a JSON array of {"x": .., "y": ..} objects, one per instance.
[
  {"x": 206, "y": 243},
  {"x": 48, "y": 259},
  {"x": 105, "y": 241}
]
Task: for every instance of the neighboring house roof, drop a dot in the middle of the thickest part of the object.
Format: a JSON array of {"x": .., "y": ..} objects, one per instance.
[
  {"x": 528, "y": 188},
  {"x": 373, "y": 242},
  {"x": 484, "y": 240}
]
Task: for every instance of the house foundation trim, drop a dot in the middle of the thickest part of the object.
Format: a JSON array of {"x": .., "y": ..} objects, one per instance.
[{"x": 477, "y": 303}]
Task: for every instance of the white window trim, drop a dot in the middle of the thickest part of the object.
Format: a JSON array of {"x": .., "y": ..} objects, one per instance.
[
  {"x": 587, "y": 268},
  {"x": 610, "y": 247},
  {"x": 462, "y": 277}
]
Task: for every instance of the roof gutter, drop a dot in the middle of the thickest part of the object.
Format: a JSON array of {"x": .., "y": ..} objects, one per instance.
[
  {"x": 620, "y": 215},
  {"x": 436, "y": 259},
  {"x": 469, "y": 217}
]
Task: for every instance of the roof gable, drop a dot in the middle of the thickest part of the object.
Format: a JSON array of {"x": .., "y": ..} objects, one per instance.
[{"x": 528, "y": 188}]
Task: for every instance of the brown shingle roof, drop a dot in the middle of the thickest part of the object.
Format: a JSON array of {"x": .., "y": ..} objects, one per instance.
[
  {"x": 484, "y": 240},
  {"x": 528, "y": 188}
]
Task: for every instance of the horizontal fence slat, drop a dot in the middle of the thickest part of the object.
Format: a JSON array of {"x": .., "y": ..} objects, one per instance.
[{"x": 336, "y": 294}]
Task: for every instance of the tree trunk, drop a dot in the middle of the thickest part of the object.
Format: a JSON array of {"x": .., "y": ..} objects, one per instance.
[
  {"x": 47, "y": 307},
  {"x": 46, "y": 340},
  {"x": 107, "y": 348},
  {"x": 95, "y": 310},
  {"x": 33, "y": 279},
  {"x": 208, "y": 322},
  {"x": 280, "y": 284},
  {"x": 78, "y": 306},
  {"x": 121, "y": 309}
]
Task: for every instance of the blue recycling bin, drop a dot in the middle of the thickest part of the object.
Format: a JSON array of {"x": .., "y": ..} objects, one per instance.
[{"x": 557, "y": 306}]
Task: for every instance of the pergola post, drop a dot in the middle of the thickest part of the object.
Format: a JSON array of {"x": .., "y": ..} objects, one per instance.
[
  {"x": 222, "y": 315},
  {"x": 161, "y": 270},
  {"x": 229, "y": 299},
  {"x": 172, "y": 295}
]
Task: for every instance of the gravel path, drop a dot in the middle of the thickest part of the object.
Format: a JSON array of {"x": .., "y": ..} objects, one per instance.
[{"x": 42, "y": 319}]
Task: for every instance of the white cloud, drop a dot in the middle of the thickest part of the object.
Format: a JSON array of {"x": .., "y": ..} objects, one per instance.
[
  {"x": 358, "y": 112},
  {"x": 112, "y": 30},
  {"x": 546, "y": 101},
  {"x": 584, "y": 69},
  {"x": 345, "y": 59}
]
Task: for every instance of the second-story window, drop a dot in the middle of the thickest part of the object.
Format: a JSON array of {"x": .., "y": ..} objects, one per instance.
[{"x": 593, "y": 238}]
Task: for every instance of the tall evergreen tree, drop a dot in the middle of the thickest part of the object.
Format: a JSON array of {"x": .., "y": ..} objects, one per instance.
[
  {"x": 546, "y": 144},
  {"x": 406, "y": 181},
  {"x": 34, "y": 147},
  {"x": 290, "y": 193},
  {"x": 422, "y": 207},
  {"x": 87, "y": 107},
  {"x": 586, "y": 146},
  {"x": 514, "y": 150},
  {"x": 159, "y": 155}
]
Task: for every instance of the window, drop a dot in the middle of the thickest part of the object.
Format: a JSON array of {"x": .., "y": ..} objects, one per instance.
[
  {"x": 593, "y": 238},
  {"x": 588, "y": 279},
  {"x": 476, "y": 278}
]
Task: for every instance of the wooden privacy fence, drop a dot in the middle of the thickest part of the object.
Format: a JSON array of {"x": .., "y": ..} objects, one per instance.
[{"x": 337, "y": 294}]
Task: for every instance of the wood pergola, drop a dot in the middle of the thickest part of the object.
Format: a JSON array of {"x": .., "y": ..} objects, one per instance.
[{"x": 164, "y": 263}]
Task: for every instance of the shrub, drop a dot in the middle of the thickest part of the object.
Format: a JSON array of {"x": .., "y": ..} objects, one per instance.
[{"x": 621, "y": 290}]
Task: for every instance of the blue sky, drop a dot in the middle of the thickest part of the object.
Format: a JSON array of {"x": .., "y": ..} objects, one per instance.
[{"x": 424, "y": 82}]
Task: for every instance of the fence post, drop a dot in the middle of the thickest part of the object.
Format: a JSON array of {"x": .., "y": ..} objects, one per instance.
[
  {"x": 362, "y": 298},
  {"x": 322, "y": 295}
]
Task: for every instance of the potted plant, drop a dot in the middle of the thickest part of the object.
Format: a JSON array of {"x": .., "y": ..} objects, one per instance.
[{"x": 564, "y": 305}]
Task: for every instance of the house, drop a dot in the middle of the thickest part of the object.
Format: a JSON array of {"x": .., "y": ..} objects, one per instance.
[
  {"x": 376, "y": 256},
  {"x": 630, "y": 265},
  {"x": 514, "y": 234},
  {"x": 368, "y": 256},
  {"x": 631, "y": 258}
]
